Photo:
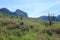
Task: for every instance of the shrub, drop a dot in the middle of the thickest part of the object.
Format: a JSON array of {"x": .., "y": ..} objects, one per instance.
[
  {"x": 5, "y": 21},
  {"x": 21, "y": 23},
  {"x": 17, "y": 33},
  {"x": 31, "y": 26},
  {"x": 57, "y": 30},
  {"x": 51, "y": 30},
  {"x": 48, "y": 31},
  {"x": 25, "y": 28}
]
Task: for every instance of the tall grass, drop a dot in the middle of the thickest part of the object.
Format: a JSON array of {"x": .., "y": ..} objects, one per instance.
[{"x": 28, "y": 29}]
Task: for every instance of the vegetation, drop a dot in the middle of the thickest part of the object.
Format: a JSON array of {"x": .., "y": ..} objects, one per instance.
[{"x": 16, "y": 28}]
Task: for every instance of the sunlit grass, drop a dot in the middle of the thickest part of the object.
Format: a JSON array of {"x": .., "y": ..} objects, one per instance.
[{"x": 32, "y": 29}]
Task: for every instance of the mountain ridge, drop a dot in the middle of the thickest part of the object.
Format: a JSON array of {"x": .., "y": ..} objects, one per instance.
[
  {"x": 16, "y": 13},
  {"x": 57, "y": 18}
]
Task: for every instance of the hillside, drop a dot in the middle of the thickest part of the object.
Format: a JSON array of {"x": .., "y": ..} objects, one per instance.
[{"x": 17, "y": 28}]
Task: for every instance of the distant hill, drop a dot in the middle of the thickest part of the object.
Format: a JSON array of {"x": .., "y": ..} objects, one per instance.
[
  {"x": 44, "y": 17},
  {"x": 16, "y": 13},
  {"x": 57, "y": 18}
]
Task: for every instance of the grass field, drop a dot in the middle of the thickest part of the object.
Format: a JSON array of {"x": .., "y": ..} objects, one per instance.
[{"x": 13, "y": 28}]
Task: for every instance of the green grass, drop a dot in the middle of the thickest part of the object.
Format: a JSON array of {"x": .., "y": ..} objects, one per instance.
[{"x": 32, "y": 29}]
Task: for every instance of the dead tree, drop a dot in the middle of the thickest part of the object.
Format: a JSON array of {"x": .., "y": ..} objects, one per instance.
[{"x": 51, "y": 18}]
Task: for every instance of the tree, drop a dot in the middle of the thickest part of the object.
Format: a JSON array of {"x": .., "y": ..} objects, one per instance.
[{"x": 51, "y": 18}]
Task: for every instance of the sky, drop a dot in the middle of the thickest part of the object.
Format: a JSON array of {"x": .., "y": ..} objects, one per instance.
[{"x": 34, "y": 8}]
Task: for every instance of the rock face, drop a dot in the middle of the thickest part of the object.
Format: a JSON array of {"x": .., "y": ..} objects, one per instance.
[
  {"x": 20, "y": 13},
  {"x": 16, "y": 13}
]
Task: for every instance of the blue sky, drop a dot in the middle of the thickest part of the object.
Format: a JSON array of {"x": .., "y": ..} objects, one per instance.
[{"x": 34, "y": 8}]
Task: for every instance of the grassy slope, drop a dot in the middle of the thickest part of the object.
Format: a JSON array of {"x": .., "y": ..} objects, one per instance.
[{"x": 33, "y": 29}]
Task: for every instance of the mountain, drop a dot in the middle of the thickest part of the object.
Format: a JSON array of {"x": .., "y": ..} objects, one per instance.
[
  {"x": 6, "y": 11},
  {"x": 20, "y": 13},
  {"x": 44, "y": 17},
  {"x": 57, "y": 18},
  {"x": 16, "y": 13}
]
